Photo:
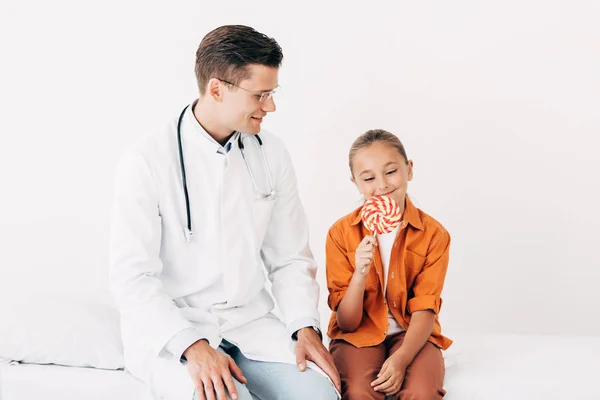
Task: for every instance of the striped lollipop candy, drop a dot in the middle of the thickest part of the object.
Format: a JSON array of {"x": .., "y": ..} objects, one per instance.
[{"x": 381, "y": 214}]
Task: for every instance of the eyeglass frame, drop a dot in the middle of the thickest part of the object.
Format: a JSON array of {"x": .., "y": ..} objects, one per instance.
[{"x": 261, "y": 97}]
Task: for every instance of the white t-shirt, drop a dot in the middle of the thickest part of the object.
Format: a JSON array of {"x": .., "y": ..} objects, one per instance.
[{"x": 385, "y": 244}]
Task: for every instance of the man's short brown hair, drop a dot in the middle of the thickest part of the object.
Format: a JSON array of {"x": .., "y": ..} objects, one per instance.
[{"x": 226, "y": 52}]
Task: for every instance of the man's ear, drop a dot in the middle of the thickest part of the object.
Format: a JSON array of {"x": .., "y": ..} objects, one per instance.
[{"x": 215, "y": 90}]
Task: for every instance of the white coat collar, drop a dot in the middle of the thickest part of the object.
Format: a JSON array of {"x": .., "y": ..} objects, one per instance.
[{"x": 191, "y": 130}]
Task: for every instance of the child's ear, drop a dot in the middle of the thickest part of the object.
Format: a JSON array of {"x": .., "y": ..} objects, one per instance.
[
  {"x": 410, "y": 170},
  {"x": 354, "y": 181}
]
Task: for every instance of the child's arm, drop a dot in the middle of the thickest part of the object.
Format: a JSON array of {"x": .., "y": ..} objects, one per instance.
[
  {"x": 350, "y": 310},
  {"x": 349, "y": 313},
  {"x": 346, "y": 283},
  {"x": 426, "y": 302},
  {"x": 390, "y": 377},
  {"x": 419, "y": 330}
]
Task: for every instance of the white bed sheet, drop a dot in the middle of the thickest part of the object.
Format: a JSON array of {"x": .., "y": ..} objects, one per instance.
[
  {"x": 523, "y": 367},
  {"x": 53, "y": 382},
  {"x": 493, "y": 367}
]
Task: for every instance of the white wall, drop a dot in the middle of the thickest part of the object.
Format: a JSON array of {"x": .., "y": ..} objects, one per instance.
[{"x": 497, "y": 104}]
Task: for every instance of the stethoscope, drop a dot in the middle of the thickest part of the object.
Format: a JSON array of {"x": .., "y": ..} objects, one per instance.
[{"x": 264, "y": 196}]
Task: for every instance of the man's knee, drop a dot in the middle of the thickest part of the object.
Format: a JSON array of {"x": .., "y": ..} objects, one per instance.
[
  {"x": 319, "y": 387},
  {"x": 326, "y": 391}
]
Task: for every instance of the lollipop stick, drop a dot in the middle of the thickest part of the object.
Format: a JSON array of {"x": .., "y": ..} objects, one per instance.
[{"x": 363, "y": 269}]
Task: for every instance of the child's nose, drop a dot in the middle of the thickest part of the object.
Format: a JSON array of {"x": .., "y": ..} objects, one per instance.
[{"x": 383, "y": 184}]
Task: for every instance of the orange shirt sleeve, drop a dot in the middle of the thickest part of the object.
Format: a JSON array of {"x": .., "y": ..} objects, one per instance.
[
  {"x": 428, "y": 285},
  {"x": 339, "y": 270}
]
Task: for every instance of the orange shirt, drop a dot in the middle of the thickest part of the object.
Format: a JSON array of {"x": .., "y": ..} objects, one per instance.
[{"x": 418, "y": 265}]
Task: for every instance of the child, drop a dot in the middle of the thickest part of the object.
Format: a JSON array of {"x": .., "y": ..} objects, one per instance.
[{"x": 385, "y": 292}]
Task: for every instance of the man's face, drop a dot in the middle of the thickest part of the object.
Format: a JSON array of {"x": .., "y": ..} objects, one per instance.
[{"x": 241, "y": 108}]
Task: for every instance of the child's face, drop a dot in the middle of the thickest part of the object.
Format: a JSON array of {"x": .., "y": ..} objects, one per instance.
[{"x": 379, "y": 169}]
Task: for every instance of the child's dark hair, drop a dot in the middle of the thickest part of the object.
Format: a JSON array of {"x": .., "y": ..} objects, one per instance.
[{"x": 375, "y": 136}]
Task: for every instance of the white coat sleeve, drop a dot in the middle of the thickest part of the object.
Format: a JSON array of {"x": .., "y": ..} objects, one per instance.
[
  {"x": 287, "y": 256},
  {"x": 149, "y": 317}
]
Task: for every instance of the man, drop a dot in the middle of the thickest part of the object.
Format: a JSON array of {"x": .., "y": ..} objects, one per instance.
[{"x": 193, "y": 222}]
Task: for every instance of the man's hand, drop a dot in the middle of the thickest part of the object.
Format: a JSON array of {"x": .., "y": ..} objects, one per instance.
[
  {"x": 390, "y": 377},
  {"x": 212, "y": 372},
  {"x": 310, "y": 347}
]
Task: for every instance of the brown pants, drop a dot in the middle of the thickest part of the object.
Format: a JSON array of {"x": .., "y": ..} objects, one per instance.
[{"x": 358, "y": 367}]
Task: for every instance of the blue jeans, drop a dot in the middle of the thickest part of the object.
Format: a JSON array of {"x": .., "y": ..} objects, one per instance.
[{"x": 277, "y": 381}]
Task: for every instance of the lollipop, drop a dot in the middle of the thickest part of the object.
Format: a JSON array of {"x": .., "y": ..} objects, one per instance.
[{"x": 381, "y": 214}]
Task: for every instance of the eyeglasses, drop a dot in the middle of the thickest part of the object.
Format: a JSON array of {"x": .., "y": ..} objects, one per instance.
[{"x": 262, "y": 96}]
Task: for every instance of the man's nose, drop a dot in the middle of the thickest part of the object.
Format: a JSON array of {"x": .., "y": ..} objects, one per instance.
[{"x": 269, "y": 105}]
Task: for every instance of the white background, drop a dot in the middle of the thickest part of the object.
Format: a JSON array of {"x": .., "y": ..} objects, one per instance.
[{"x": 497, "y": 103}]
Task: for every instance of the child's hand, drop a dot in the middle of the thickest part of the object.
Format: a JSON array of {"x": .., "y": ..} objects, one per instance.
[
  {"x": 390, "y": 377},
  {"x": 364, "y": 255}
]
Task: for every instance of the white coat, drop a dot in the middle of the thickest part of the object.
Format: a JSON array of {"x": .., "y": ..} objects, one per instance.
[{"x": 215, "y": 283}]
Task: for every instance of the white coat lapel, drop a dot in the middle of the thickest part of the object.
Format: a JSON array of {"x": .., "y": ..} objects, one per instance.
[{"x": 240, "y": 267}]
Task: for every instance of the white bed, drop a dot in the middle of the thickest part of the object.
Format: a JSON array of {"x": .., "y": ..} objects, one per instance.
[
  {"x": 523, "y": 367},
  {"x": 53, "y": 382},
  {"x": 85, "y": 334},
  {"x": 79, "y": 333},
  {"x": 494, "y": 367}
]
